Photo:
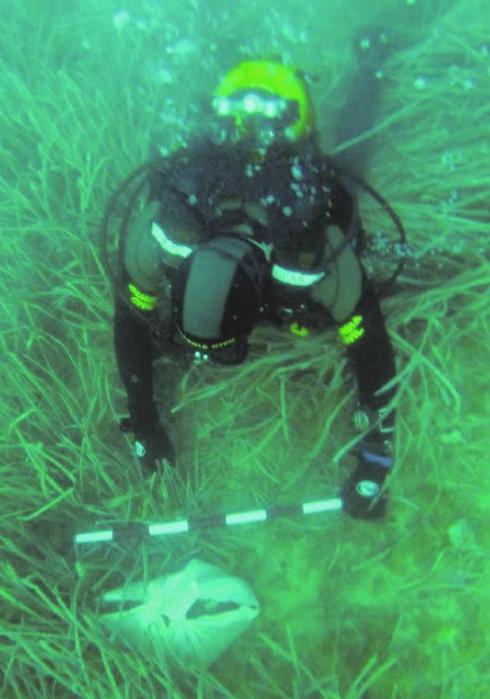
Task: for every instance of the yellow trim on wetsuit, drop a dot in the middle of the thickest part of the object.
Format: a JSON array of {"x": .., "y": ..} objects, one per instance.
[
  {"x": 299, "y": 330},
  {"x": 351, "y": 331},
  {"x": 142, "y": 300}
]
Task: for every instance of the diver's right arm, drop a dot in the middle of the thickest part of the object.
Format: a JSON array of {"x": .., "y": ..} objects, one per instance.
[
  {"x": 138, "y": 290},
  {"x": 134, "y": 356},
  {"x": 141, "y": 283}
]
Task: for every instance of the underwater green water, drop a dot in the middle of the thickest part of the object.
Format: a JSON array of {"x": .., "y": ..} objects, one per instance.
[{"x": 348, "y": 609}]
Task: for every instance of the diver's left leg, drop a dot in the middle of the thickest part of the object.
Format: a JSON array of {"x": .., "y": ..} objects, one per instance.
[{"x": 372, "y": 47}]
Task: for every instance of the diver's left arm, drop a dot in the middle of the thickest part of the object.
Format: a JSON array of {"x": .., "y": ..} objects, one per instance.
[
  {"x": 371, "y": 355},
  {"x": 353, "y": 303}
]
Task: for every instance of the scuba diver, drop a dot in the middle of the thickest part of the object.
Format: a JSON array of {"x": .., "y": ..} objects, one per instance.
[{"x": 251, "y": 224}]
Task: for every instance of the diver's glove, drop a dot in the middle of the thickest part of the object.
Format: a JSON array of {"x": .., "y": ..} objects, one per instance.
[
  {"x": 151, "y": 444},
  {"x": 363, "y": 494}
]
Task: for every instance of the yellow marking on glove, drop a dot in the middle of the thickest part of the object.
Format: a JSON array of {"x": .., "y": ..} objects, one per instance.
[
  {"x": 351, "y": 331},
  {"x": 143, "y": 301}
]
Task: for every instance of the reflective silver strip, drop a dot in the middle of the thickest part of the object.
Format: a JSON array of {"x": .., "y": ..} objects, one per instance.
[
  {"x": 280, "y": 274},
  {"x": 168, "y": 245},
  {"x": 295, "y": 277}
]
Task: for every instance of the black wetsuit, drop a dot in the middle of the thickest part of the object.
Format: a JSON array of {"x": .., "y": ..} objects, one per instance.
[{"x": 301, "y": 197}]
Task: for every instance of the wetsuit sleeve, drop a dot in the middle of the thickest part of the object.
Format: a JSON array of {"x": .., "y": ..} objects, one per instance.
[
  {"x": 370, "y": 352},
  {"x": 134, "y": 356},
  {"x": 353, "y": 303},
  {"x": 142, "y": 280},
  {"x": 138, "y": 290}
]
